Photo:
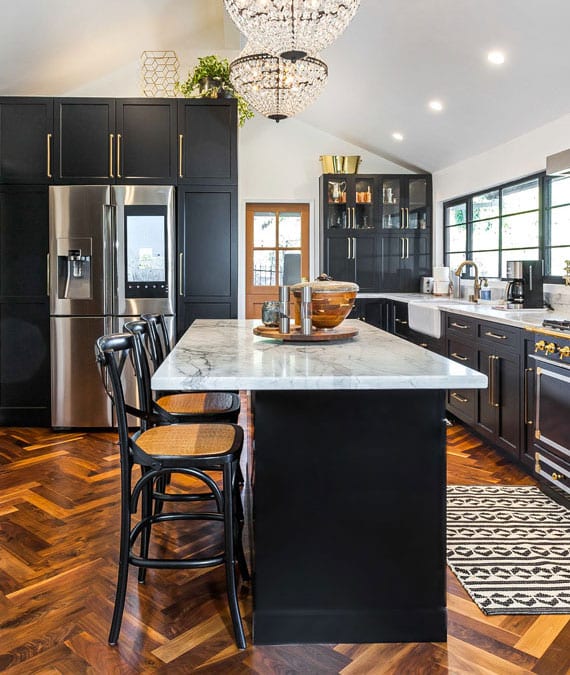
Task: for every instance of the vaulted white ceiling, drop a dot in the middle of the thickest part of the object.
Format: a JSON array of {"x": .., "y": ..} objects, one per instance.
[{"x": 394, "y": 57}]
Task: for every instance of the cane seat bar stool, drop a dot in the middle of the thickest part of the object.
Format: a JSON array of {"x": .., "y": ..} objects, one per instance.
[
  {"x": 207, "y": 405},
  {"x": 177, "y": 450}
]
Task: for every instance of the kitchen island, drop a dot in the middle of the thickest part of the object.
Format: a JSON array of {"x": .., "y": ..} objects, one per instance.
[{"x": 348, "y": 481}]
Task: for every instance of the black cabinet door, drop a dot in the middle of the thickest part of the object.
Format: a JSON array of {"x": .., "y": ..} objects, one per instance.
[
  {"x": 365, "y": 255},
  {"x": 26, "y": 144},
  {"x": 145, "y": 143},
  {"x": 84, "y": 140},
  {"x": 207, "y": 245},
  {"x": 24, "y": 308},
  {"x": 339, "y": 263},
  {"x": 207, "y": 138}
]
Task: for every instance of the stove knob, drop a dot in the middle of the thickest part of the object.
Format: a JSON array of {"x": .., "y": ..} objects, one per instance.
[
  {"x": 539, "y": 346},
  {"x": 564, "y": 352},
  {"x": 550, "y": 348}
]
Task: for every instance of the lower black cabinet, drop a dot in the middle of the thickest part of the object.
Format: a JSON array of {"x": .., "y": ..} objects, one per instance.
[
  {"x": 24, "y": 307},
  {"x": 207, "y": 259}
]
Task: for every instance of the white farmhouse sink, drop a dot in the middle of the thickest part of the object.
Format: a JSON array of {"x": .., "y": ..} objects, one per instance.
[{"x": 425, "y": 318}]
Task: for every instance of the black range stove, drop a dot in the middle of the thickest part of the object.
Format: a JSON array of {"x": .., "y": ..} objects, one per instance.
[{"x": 552, "y": 341}]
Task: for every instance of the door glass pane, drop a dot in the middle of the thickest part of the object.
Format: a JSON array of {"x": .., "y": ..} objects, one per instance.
[
  {"x": 560, "y": 226},
  {"x": 391, "y": 212},
  {"x": 486, "y": 235},
  {"x": 417, "y": 193},
  {"x": 559, "y": 191},
  {"x": 391, "y": 192},
  {"x": 521, "y": 230},
  {"x": 486, "y": 205},
  {"x": 290, "y": 230},
  {"x": 264, "y": 230},
  {"x": 264, "y": 273},
  {"x": 364, "y": 190},
  {"x": 456, "y": 215},
  {"x": 558, "y": 256},
  {"x": 337, "y": 191},
  {"x": 488, "y": 263},
  {"x": 521, "y": 197},
  {"x": 519, "y": 254},
  {"x": 289, "y": 267},
  {"x": 456, "y": 238}
]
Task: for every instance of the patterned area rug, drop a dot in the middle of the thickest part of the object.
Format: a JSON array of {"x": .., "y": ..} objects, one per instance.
[{"x": 510, "y": 548}]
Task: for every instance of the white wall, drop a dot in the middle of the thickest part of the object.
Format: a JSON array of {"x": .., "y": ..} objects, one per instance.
[
  {"x": 279, "y": 162},
  {"x": 519, "y": 157}
]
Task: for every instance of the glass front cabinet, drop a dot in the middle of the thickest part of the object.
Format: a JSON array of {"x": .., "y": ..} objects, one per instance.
[
  {"x": 406, "y": 202},
  {"x": 350, "y": 202}
]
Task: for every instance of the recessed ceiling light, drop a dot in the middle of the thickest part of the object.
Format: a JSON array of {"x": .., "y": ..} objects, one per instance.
[
  {"x": 436, "y": 105},
  {"x": 397, "y": 136},
  {"x": 496, "y": 57}
]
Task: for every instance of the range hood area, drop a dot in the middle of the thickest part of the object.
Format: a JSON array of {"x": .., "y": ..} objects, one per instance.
[{"x": 558, "y": 164}]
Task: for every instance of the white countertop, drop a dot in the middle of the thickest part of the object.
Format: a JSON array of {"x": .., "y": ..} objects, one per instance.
[{"x": 224, "y": 354}]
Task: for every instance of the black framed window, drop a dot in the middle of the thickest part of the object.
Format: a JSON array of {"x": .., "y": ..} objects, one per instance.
[{"x": 527, "y": 219}]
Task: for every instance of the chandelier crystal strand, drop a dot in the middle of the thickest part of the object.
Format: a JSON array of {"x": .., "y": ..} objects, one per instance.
[
  {"x": 292, "y": 28},
  {"x": 275, "y": 87}
]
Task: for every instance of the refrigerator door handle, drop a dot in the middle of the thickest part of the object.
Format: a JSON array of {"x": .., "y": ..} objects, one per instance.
[{"x": 110, "y": 239}]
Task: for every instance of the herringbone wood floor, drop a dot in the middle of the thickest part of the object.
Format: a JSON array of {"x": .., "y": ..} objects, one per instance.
[{"x": 58, "y": 546}]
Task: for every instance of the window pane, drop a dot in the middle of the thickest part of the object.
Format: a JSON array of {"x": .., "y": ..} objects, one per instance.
[
  {"x": 486, "y": 205},
  {"x": 486, "y": 235},
  {"x": 456, "y": 238},
  {"x": 520, "y": 231},
  {"x": 488, "y": 263},
  {"x": 559, "y": 191},
  {"x": 520, "y": 254},
  {"x": 290, "y": 230},
  {"x": 521, "y": 197},
  {"x": 289, "y": 267},
  {"x": 456, "y": 215},
  {"x": 560, "y": 226},
  {"x": 264, "y": 230},
  {"x": 264, "y": 268},
  {"x": 453, "y": 261},
  {"x": 558, "y": 256}
]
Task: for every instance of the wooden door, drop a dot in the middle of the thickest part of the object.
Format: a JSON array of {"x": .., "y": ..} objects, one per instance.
[{"x": 277, "y": 251}]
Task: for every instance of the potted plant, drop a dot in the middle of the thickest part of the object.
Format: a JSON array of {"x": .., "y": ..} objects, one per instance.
[{"x": 211, "y": 79}]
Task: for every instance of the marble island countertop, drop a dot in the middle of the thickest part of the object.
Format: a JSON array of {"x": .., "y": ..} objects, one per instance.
[{"x": 224, "y": 354}]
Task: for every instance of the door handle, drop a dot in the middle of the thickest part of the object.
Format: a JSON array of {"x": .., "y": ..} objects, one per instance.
[
  {"x": 407, "y": 210},
  {"x": 353, "y": 217},
  {"x": 348, "y": 248},
  {"x": 180, "y": 273},
  {"x": 403, "y": 256},
  {"x": 180, "y": 147},
  {"x": 490, "y": 333},
  {"x": 459, "y": 398},
  {"x": 353, "y": 248},
  {"x": 402, "y": 223},
  {"x": 527, "y": 371},
  {"x": 119, "y": 156},
  {"x": 493, "y": 362},
  {"x": 458, "y": 325},
  {"x": 459, "y": 357},
  {"x": 111, "y": 138},
  {"x": 47, "y": 276},
  {"x": 48, "y": 143},
  {"x": 407, "y": 248}
]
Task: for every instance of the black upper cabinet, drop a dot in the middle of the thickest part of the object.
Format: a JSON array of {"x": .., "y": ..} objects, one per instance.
[
  {"x": 115, "y": 141},
  {"x": 84, "y": 140},
  {"x": 26, "y": 142},
  {"x": 207, "y": 142}
]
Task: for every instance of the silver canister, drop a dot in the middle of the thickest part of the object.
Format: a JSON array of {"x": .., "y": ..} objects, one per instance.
[
  {"x": 306, "y": 311},
  {"x": 284, "y": 311}
]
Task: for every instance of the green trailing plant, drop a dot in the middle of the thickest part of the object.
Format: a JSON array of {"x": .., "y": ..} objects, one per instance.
[{"x": 211, "y": 79}]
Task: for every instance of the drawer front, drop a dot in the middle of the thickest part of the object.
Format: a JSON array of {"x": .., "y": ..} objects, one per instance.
[
  {"x": 460, "y": 326},
  {"x": 461, "y": 402},
  {"x": 552, "y": 469},
  {"x": 499, "y": 335},
  {"x": 461, "y": 352}
]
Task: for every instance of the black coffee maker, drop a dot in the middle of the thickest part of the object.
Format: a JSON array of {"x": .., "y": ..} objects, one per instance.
[{"x": 525, "y": 287}]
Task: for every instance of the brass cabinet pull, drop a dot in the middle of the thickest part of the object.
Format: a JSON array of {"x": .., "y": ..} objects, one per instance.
[
  {"x": 407, "y": 248},
  {"x": 404, "y": 323},
  {"x": 459, "y": 398},
  {"x": 402, "y": 221},
  {"x": 47, "y": 275},
  {"x": 458, "y": 325},
  {"x": 403, "y": 256},
  {"x": 407, "y": 210},
  {"x": 526, "y": 415},
  {"x": 354, "y": 248},
  {"x": 492, "y": 381},
  {"x": 111, "y": 138},
  {"x": 490, "y": 333},
  {"x": 459, "y": 357},
  {"x": 119, "y": 156},
  {"x": 180, "y": 273},
  {"x": 180, "y": 146},
  {"x": 48, "y": 156},
  {"x": 348, "y": 248},
  {"x": 353, "y": 217}
]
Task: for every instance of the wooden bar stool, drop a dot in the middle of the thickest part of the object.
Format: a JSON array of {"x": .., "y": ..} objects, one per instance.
[{"x": 169, "y": 450}]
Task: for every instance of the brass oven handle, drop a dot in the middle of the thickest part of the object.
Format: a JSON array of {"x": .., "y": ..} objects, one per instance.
[
  {"x": 180, "y": 273},
  {"x": 180, "y": 146},
  {"x": 490, "y": 333},
  {"x": 111, "y": 137},
  {"x": 537, "y": 433},
  {"x": 526, "y": 415},
  {"x": 48, "y": 143},
  {"x": 459, "y": 398},
  {"x": 119, "y": 156},
  {"x": 458, "y": 325},
  {"x": 459, "y": 357}
]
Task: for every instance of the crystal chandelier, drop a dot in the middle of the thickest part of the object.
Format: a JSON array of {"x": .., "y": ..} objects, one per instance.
[
  {"x": 292, "y": 28},
  {"x": 275, "y": 87}
]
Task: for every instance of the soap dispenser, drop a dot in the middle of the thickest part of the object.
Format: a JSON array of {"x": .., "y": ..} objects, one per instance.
[{"x": 485, "y": 290}]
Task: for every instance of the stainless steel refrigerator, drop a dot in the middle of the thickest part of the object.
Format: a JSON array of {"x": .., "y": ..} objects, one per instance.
[{"x": 112, "y": 258}]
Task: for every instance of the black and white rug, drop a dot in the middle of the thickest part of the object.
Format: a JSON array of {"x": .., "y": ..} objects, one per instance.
[{"x": 509, "y": 546}]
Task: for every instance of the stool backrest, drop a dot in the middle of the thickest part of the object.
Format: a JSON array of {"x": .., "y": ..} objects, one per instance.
[{"x": 159, "y": 340}]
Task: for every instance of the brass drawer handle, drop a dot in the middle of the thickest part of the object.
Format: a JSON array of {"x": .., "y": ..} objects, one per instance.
[
  {"x": 458, "y": 325},
  {"x": 459, "y": 357},
  {"x": 459, "y": 398},
  {"x": 404, "y": 323},
  {"x": 490, "y": 333}
]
